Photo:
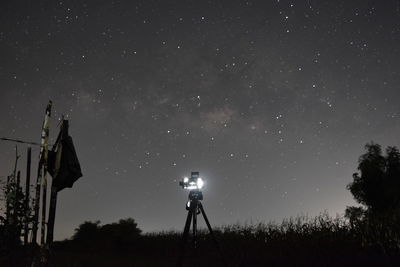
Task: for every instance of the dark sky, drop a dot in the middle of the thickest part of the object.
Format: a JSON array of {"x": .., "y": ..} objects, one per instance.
[{"x": 271, "y": 101}]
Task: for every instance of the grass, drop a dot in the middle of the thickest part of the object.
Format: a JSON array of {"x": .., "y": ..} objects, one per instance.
[{"x": 300, "y": 241}]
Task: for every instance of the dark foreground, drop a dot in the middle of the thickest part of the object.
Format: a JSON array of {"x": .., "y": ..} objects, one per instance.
[{"x": 299, "y": 242}]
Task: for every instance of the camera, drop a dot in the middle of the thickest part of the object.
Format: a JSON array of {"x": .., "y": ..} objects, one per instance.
[{"x": 192, "y": 183}]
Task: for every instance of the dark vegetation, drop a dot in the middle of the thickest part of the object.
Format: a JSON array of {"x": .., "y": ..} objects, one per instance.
[
  {"x": 368, "y": 235},
  {"x": 12, "y": 224},
  {"x": 301, "y": 241}
]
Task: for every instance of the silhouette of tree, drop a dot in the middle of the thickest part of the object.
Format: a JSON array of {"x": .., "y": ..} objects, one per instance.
[
  {"x": 123, "y": 233},
  {"x": 377, "y": 185},
  {"x": 393, "y": 176},
  {"x": 12, "y": 224},
  {"x": 129, "y": 228},
  {"x": 355, "y": 215},
  {"x": 120, "y": 234},
  {"x": 87, "y": 231}
]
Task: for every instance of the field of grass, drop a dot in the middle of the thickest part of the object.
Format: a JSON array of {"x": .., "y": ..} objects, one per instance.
[{"x": 301, "y": 241}]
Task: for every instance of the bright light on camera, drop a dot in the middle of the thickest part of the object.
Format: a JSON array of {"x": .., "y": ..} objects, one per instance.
[
  {"x": 192, "y": 183},
  {"x": 200, "y": 183}
]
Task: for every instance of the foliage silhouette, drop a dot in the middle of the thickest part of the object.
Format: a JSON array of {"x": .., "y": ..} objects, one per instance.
[
  {"x": 87, "y": 231},
  {"x": 115, "y": 235},
  {"x": 12, "y": 224},
  {"x": 300, "y": 241},
  {"x": 377, "y": 186}
]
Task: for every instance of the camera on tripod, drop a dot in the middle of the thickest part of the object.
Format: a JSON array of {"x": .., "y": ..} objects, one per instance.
[
  {"x": 192, "y": 183},
  {"x": 194, "y": 208}
]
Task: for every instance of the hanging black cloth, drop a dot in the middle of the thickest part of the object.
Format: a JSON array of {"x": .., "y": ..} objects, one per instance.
[{"x": 70, "y": 168}]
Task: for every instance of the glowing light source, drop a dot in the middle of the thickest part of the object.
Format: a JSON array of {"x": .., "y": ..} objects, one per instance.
[
  {"x": 192, "y": 183},
  {"x": 200, "y": 183}
]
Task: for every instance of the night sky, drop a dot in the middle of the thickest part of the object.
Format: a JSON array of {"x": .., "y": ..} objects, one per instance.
[{"x": 271, "y": 101}]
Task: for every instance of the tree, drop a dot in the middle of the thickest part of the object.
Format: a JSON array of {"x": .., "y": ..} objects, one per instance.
[
  {"x": 120, "y": 234},
  {"x": 16, "y": 211},
  {"x": 377, "y": 184},
  {"x": 123, "y": 233},
  {"x": 355, "y": 215},
  {"x": 87, "y": 231}
]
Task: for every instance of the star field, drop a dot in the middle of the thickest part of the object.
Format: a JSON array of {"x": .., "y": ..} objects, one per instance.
[{"x": 271, "y": 101}]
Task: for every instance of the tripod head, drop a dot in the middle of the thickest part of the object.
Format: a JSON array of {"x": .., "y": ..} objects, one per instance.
[
  {"x": 194, "y": 199},
  {"x": 195, "y": 195}
]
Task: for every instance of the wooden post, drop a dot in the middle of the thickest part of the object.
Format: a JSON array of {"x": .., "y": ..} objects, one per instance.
[
  {"x": 18, "y": 179},
  {"x": 15, "y": 186},
  {"x": 52, "y": 215},
  {"x": 53, "y": 197},
  {"x": 18, "y": 191},
  {"x": 41, "y": 177},
  {"x": 27, "y": 193},
  {"x": 36, "y": 204},
  {"x": 16, "y": 195},
  {"x": 8, "y": 199},
  {"x": 45, "y": 143},
  {"x": 43, "y": 220},
  {"x": 16, "y": 162}
]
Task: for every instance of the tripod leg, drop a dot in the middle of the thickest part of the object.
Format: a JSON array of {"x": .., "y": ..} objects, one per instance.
[
  {"x": 194, "y": 211},
  {"x": 212, "y": 233},
  {"x": 184, "y": 238}
]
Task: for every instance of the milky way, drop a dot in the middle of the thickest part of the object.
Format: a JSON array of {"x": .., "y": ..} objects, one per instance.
[{"x": 271, "y": 101}]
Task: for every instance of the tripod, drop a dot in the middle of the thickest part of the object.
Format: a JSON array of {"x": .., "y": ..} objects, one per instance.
[{"x": 194, "y": 207}]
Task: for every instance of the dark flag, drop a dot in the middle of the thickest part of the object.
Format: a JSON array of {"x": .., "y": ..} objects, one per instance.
[{"x": 63, "y": 163}]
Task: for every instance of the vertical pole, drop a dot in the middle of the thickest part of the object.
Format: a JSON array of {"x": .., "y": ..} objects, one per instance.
[
  {"x": 45, "y": 141},
  {"x": 16, "y": 162},
  {"x": 41, "y": 170},
  {"x": 43, "y": 220},
  {"x": 27, "y": 191},
  {"x": 15, "y": 187},
  {"x": 17, "y": 191},
  {"x": 36, "y": 204},
  {"x": 16, "y": 195},
  {"x": 53, "y": 196},
  {"x": 8, "y": 199},
  {"x": 52, "y": 215},
  {"x": 18, "y": 179}
]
